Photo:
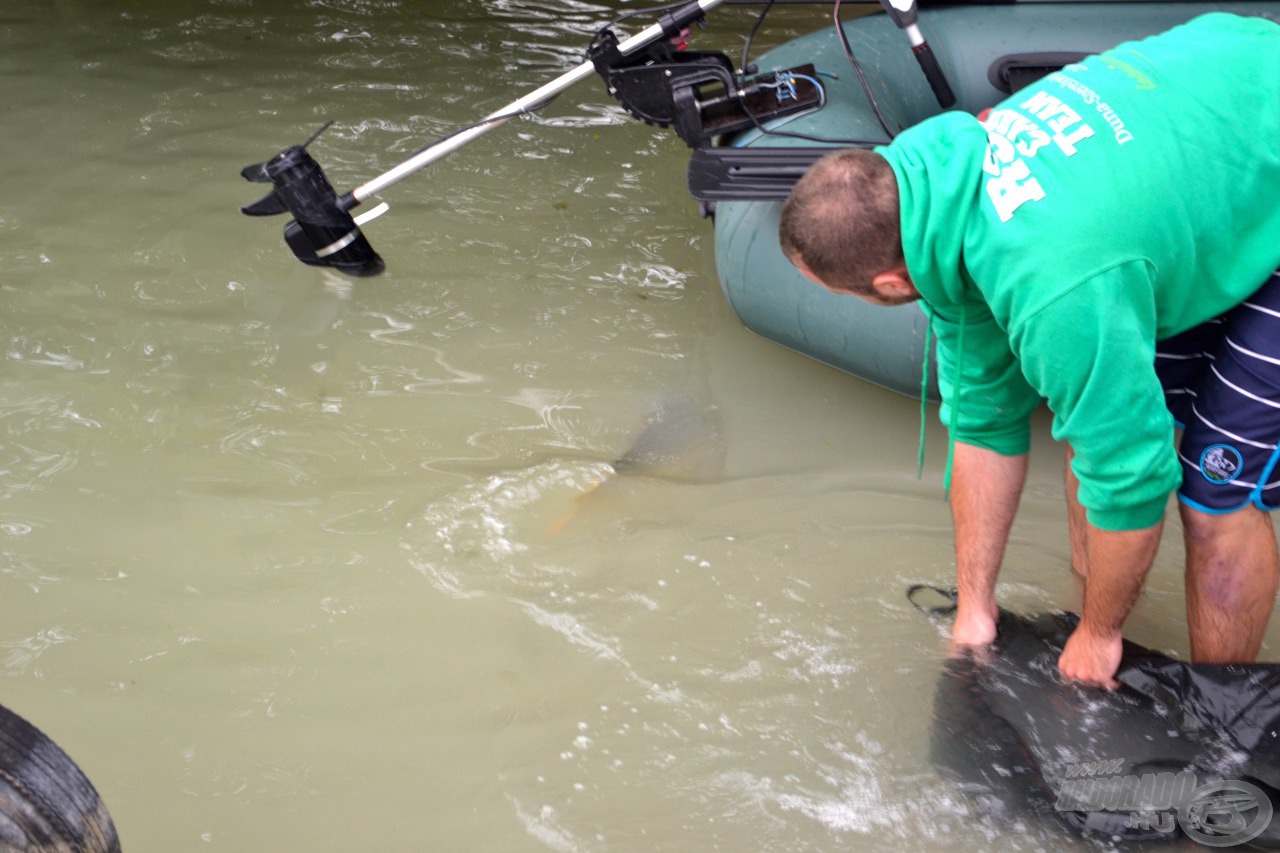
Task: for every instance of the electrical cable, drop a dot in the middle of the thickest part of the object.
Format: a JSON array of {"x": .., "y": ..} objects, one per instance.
[
  {"x": 866, "y": 86},
  {"x": 764, "y": 131},
  {"x": 751, "y": 36}
]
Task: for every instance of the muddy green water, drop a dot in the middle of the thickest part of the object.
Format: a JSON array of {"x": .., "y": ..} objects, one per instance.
[{"x": 294, "y": 562}]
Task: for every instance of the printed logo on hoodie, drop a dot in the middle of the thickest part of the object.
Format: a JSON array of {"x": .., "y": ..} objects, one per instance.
[{"x": 1016, "y": 135}]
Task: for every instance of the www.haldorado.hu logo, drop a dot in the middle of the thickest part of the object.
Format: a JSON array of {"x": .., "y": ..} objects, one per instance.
[{"x": 1217, "y": 814}]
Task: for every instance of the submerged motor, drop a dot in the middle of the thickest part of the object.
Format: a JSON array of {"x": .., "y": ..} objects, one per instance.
[{"x": 322, "y": 232}]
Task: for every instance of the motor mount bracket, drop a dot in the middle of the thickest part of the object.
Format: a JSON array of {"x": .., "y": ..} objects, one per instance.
[{"x": 697, "y": 93}]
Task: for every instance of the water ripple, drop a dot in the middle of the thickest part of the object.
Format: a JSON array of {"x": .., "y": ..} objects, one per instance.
[
  {"x": 464, "y": 542},
  {"x": 22, "y": 654}
]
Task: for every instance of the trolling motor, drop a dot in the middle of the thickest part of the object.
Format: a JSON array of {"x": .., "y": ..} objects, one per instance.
[
  {"x": 698, "y": 94},
  {"x": 322, "y": 232}
]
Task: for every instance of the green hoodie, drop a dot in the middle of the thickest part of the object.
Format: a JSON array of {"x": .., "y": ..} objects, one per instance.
[{"x": 1123, "y": 200}]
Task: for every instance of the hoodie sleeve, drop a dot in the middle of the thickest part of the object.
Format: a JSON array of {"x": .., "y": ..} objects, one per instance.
[
  {"x": 980, "y": 379},
  {"x": 1091, "y": 353}
]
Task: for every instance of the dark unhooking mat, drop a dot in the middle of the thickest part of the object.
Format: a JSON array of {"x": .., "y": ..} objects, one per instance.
[{"x": 1179, "y": 750}]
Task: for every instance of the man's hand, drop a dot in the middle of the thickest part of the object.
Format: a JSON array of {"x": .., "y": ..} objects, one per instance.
[
  {"x": 972, "y": 628},
  {"x": 1092, "y": 659},
  {"x": 1118, "y": 564}
]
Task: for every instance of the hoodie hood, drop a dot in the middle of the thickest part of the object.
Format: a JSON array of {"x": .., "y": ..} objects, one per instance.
[{"x": 938, "y": 190}]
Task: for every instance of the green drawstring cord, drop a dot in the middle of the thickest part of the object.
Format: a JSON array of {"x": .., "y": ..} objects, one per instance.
[
  {"x": 924, "y": 396},
  {"x": 955, "y": 403}
]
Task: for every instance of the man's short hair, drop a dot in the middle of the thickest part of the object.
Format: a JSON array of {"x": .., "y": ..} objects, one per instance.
[{"x": 842, "y": 220}]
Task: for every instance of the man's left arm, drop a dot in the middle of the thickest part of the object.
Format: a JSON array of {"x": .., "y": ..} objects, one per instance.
[
  {"x": 1118, "y": 564},
  {"x": 1091, "y": 353}
]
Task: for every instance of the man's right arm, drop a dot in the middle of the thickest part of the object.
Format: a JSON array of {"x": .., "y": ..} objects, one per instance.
[
  {"x": 986, "y": 488},
  {"x": 988, "y": 405}
]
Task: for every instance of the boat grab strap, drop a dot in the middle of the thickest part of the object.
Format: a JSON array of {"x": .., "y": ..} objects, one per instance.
[{"x": 1017, "y": 70}]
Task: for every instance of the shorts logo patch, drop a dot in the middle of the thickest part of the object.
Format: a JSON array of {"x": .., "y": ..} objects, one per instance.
[{"x": 1220, "y": 463}]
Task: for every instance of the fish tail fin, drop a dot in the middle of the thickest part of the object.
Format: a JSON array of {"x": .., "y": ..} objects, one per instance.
[{"x": 559, "y": 525}]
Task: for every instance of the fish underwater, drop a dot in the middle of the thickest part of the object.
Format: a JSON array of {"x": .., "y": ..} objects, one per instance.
[
  {"x": 680, "y": 439},
  {"x": 1178, "y": 751}
]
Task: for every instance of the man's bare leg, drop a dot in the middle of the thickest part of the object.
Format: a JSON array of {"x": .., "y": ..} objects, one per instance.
[{"x": 1232, "y": 571}]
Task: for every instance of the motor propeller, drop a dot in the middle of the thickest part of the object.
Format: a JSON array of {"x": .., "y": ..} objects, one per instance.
[{"x": 322, "y": 231}]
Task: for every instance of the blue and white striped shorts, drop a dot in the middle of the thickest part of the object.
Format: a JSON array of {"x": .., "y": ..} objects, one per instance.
[{"x": 1222, "y": 384}]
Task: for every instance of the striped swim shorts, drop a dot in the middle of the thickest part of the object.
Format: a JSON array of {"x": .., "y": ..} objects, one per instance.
[{"x": 1222, "y": 383}]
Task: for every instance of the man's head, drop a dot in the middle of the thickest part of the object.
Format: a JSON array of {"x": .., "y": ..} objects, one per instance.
[{"x": 840, "y": 227}]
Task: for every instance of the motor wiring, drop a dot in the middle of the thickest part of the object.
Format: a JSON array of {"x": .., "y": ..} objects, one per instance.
[{"x": 866, "y": 85}]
